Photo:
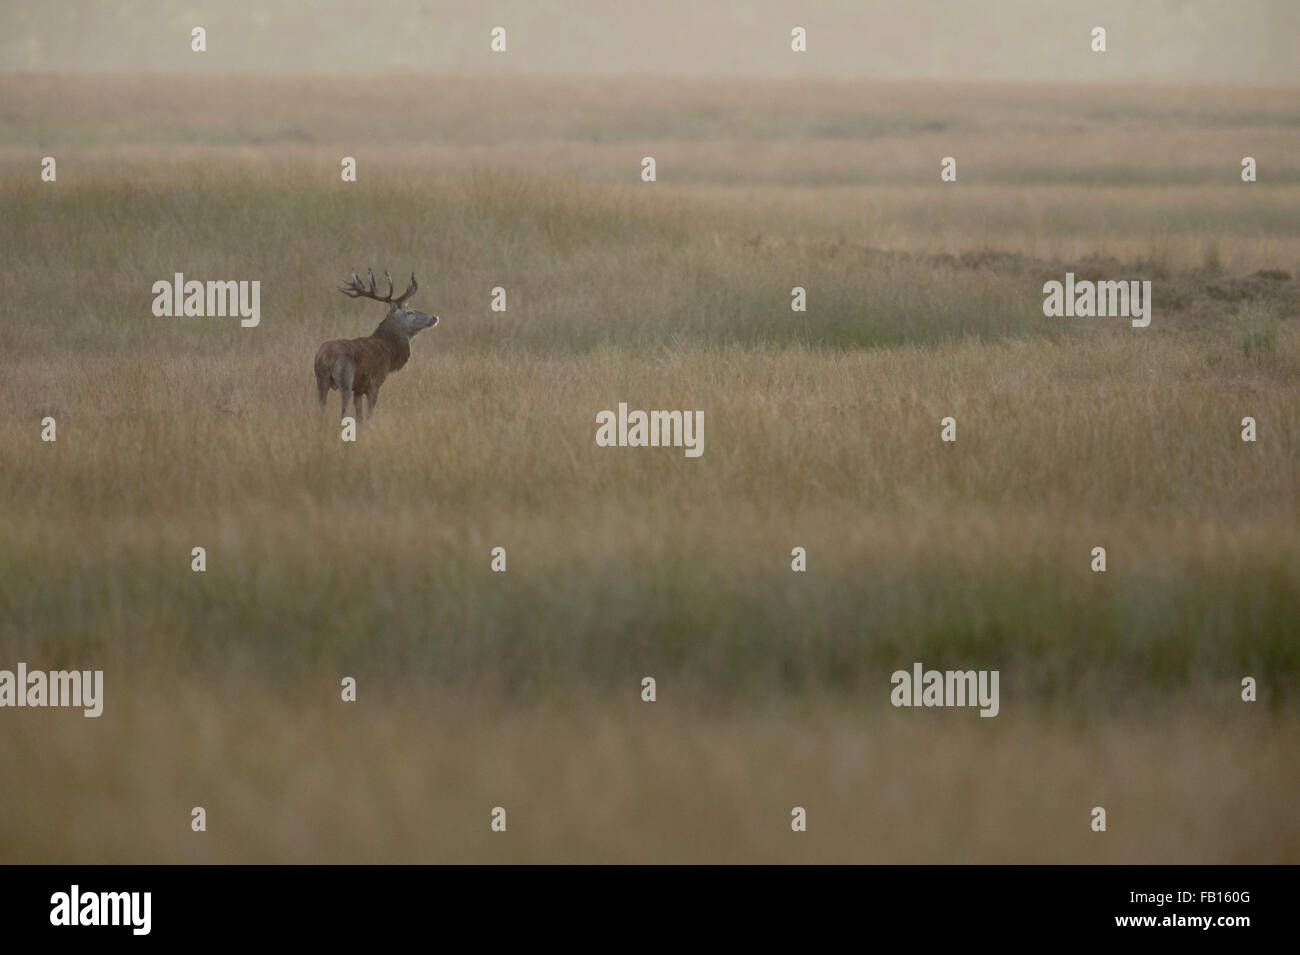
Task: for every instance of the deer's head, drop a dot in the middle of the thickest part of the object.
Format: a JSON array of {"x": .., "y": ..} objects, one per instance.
[{"x": 405, "y": 321}]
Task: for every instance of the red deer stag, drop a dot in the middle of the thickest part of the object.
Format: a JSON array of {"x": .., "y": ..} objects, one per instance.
[{"x": 358, "y": 366}]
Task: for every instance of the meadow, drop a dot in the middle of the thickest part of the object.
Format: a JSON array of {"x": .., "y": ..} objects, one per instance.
[{"x": 522, "y": 689}]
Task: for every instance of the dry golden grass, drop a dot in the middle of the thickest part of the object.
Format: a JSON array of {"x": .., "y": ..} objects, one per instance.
[
  {"x": 821, "y": 430},
  {"x": 307, "y": 780}
]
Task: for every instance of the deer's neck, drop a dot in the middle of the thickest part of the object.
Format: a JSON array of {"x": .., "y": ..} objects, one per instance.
[{"x": 397, "y": 344}]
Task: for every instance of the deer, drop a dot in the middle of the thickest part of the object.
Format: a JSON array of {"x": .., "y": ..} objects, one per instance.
[{"x": 358, "y": 366}]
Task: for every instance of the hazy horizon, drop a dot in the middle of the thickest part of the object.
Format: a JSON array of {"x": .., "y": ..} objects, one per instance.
[{"x": 1029, "y": 41}]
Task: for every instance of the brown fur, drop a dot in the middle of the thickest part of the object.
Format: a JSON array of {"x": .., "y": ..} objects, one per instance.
[{"x": 358, "y": 366}]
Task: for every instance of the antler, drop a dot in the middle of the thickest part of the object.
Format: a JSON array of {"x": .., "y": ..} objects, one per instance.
[
  {"x": 357, "y": 289},
  {"x": 408, "y": 293}
]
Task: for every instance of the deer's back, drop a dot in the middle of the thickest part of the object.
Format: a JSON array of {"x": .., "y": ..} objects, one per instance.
[{"x": 369, "y": 358}]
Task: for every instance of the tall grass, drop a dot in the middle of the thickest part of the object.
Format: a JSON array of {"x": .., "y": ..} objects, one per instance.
[{"x": 821, "y": 431}]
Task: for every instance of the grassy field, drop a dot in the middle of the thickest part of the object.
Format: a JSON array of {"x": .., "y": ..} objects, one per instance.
[{"x": 822, "y": 430}]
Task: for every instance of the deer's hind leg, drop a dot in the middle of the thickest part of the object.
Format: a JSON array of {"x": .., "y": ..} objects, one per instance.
[{"x": 343, "y": 375}]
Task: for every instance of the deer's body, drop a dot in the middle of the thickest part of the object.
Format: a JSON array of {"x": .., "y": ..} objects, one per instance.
[{"x": 358, "y": 366}]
